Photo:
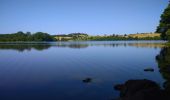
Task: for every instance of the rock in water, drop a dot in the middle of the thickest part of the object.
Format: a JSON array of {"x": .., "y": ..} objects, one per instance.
[
  {"x": 140, "y": 90},
  {"x": 149, "y": 69},
  {"x": 87, "y": 80}
]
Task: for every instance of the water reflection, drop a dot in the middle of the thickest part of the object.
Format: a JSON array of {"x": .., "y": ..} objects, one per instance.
[
  {"x": 147, "y": 89},
  {"x": 79, "y": 45},
  {"x": 151, "y": 44},
  {"x": 163, "y": 60},
  {"x": 74, "y": 70},
  {"x": 72, "y": 45},
  {"x": 23, "y": 47}
]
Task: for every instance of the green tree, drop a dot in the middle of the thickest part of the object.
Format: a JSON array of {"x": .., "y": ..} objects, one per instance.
[
  {"x": 21, "y": 36},
  {"x": 164, "y": 23},
  {"x": 40, "y": 36}
]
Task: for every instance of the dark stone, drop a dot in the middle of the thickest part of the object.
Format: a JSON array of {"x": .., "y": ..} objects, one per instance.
[
  {"x": 149, "y": 69},
  {"x": 87, "y": 80},
  {"x": 140, "y": 90}
]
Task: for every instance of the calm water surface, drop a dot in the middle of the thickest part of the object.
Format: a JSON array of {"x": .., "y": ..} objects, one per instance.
[{"x": 54, "y": 71}]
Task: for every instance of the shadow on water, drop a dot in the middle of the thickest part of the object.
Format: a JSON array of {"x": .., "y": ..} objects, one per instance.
[
  {"x": 163, "y": 60},
  {"x": 147, "y": 89}
]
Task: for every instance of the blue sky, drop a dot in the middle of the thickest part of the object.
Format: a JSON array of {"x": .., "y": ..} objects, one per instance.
[{"x": 94, "y": 17}]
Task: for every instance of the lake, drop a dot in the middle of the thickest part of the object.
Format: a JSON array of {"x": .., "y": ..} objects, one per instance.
[{"x": 74, "y": 70}]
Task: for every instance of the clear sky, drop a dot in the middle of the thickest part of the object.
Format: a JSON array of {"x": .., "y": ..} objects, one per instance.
[{"x": 88, "y": 16}]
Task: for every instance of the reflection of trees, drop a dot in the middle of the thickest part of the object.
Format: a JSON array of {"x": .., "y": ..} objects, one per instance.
[
  {"x": 80, "y": 45},
  {"x": 23, "y": 47},
  {"x": 163, "y": 60},
  {"x": 85, "y": 45},
  {"x": 108, "y": 44},
  {"x": 146, "y": 89},
  {"x": 150, "y": 45},
  {"x": 73, "y": 45}
]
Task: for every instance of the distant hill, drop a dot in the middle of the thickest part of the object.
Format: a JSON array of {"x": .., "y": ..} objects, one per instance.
[
  {"x": 71, "y": 36},
  {"x": 82, "y": 36},
  {"x": 144, "y": 35}
]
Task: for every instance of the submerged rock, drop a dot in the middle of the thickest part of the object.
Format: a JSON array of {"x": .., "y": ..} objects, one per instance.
[
  {"x": 140, "y": 90},
  {"x": 149, "y": 69},
  {"x": 87, "y": 80}
]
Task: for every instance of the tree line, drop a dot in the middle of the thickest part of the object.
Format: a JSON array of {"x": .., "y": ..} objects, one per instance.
[
  {"x": 21, "y": 36},
  {"x": 116, "y": 37},
  {"x": 40, "y": 36}
]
